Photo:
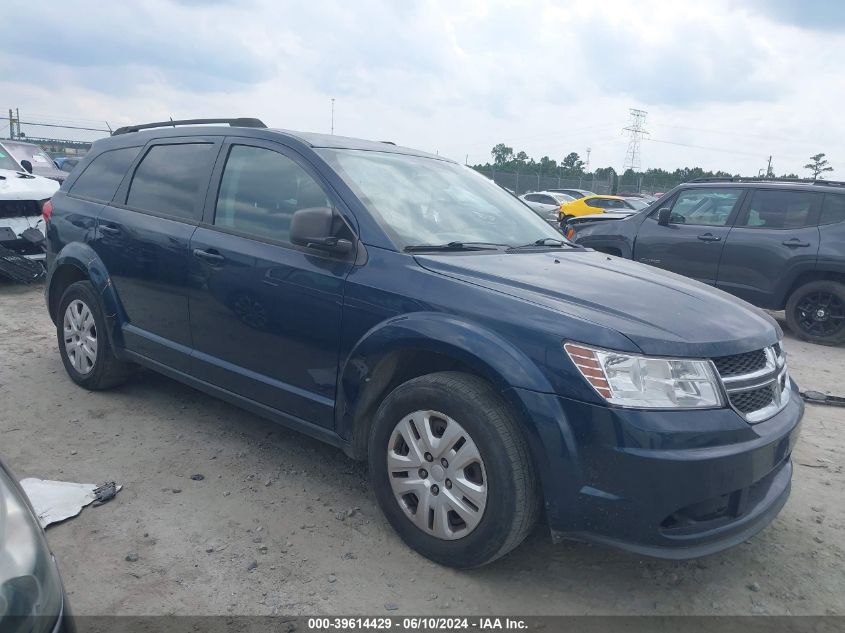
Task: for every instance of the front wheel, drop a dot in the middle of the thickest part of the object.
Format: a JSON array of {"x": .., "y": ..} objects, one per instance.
[
  {"x": 451, "y": 470},
  {"x": 815, "y": 312}
]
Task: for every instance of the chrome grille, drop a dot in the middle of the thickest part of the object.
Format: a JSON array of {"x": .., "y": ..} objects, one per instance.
[
  {"x": 748, "y": 401},
  {"x": 757, "y": 383},
  {"x": 739, "y": 364}
]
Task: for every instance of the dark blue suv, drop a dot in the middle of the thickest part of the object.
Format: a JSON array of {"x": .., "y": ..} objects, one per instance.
[{"x": 406, "y": 309}]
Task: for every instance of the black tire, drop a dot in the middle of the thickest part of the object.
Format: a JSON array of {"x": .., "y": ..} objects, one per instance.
[
  {"x": 829, "y": 297},
  {"x": 513, "y": 497},
  {"x": 107, "y": 370}
]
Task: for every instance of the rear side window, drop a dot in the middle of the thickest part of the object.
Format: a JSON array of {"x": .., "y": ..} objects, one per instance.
[
  {"x": 168, "y": 179},
  {"x": 833, "y": 209},
  {"x": 260, "y": 191},
  {"x": 780, "y": 209},
  {"x": 104, "y": 174},
  {"x": 606, "y": 203}
]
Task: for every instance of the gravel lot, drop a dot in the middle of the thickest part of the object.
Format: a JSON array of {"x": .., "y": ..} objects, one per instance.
[{"x": 281, "y": 524}]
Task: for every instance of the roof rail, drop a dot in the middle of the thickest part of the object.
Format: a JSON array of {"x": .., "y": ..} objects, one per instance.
[
  {"x": 245, "y": 122},
  {"x": 802, "y": 181}
]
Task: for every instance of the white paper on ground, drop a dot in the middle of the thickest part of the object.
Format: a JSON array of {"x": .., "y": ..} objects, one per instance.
[{"x": 55, "y": 501}]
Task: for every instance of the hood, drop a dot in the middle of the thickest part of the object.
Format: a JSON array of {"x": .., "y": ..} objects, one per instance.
[
  {"x": 660, "y": 312},
  {"x": 601, "y": 217},
  {"x": 18, "y": 185}
]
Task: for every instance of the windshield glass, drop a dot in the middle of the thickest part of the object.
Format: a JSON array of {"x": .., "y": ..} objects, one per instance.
[
  {"x": 34, "y": 154},
  {"x": 7, "y": 162},
  {"x": 428, "y": 201}
]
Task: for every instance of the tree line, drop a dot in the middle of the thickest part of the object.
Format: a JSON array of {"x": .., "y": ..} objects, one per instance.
[{"x": 572, "y": 166}]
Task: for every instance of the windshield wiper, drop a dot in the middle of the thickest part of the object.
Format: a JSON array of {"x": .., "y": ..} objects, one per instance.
[
  {"x": 546, "y": 241},
  {"x": 453, "y": 246}
]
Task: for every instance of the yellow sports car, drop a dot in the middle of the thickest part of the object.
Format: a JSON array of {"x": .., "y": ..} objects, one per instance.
[{"x": 589, "y": 205}]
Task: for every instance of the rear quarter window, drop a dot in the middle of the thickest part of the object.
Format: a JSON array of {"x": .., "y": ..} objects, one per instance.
[
  {"x": 833, "y": 209},
  {"x": 104, "y": 174}
]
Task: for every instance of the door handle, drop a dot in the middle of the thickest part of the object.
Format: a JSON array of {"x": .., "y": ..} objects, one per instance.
[
  {"x": 109, "y": 230},
  {"x": 795, "y": 243},
  {"x": 709, "y": 237},
  {"x": 209, "y": 256}
]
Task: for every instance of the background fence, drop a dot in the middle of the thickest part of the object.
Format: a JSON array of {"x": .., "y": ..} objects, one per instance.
[{"x": 526, "y": 183}]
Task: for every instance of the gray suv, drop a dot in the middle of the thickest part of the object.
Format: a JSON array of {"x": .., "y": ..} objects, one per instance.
[{"x": 778, "y": 245}]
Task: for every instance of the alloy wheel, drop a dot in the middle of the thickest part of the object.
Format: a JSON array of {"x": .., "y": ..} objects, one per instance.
[{"x": 821, "y": 314}]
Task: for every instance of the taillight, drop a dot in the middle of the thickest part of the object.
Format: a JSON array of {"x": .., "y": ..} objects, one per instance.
[{"x": 47, "y": 210}]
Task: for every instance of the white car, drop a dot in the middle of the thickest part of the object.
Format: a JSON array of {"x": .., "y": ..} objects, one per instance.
[
  {"x": 546, "y": 204},
  {"x": 22, "y": 198}
]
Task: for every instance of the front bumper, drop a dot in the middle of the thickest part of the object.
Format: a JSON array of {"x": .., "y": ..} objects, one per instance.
[{"x": 671, "y": 484}]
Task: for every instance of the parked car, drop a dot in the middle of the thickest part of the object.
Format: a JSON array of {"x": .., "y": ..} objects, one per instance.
[
  {"x": 572, "y": 225},
  {"x": 589, "y": 205},
  {"x": 22, "y": 199},
  {"x": 66, "y": 163},
  {"x": 32, "y": 159},
  {"x": 32, "y": 597},
  {"x": 547, "y": 204},
  {"x": 575, "y": 193},
  {"x": 778, "y": 245},
  {"x": 637, "y": 203},
  {"x": 404, "y": 308}
]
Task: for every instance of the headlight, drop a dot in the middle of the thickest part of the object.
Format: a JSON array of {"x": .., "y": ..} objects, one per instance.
[
  {"x": 30, "y": 588},
  {"x": 629, "y": 380}
]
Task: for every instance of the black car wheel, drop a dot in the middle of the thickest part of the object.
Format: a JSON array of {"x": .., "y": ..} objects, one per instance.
[
  {"x": 816, "y": 312},
  {"x": 451, "y": 470}
]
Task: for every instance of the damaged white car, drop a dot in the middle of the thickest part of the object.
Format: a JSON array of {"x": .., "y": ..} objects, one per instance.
[{"x": 22, "y": 200}]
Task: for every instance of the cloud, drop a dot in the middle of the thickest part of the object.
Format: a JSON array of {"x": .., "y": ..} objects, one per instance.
[
  {"x": 695, "y": 62},
  {"x": 547, "y": 76},
  {"x": 821, "y": 15},
  {"x": 151, "y": 43}
]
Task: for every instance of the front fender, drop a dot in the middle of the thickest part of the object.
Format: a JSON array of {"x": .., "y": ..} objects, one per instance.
[
  {"x": 517, "y": 378},
  {"x": 479, "y": 348},
  {"x": 85, "y": 260},
  {"x": 600, "y": 242}
]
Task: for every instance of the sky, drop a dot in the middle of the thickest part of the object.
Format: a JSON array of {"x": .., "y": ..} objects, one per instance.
[{"x": 726, "y": 83}]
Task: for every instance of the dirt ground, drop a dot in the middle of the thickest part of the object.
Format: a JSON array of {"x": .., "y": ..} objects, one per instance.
[{"x": 281, "y": 524}]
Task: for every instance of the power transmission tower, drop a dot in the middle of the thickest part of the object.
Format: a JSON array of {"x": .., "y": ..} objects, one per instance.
[
  {"x": 636, "y": 131},
  {"x": 14, "y": 124}
]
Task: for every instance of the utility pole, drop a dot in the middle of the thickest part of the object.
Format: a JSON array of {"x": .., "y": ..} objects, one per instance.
[
  {"x": 636, "y": 131},
  {"x": 332, "y": 115},
  {"x": 14, "y": 124},
  {"x": 769, "y": 172},
  {"x": 587, "y": 165}
]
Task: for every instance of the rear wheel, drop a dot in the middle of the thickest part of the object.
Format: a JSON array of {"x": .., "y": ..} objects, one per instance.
[
  {"x": 84, "y": 345},
  {"x": 451, "y": 470},
  {"x": 815, "y": 312}
]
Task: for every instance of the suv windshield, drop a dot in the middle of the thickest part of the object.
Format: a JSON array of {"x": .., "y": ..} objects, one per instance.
[
  {"x": 7, "y": 162},
  {"x": 34, "y": 154},
  {"x": 429, "y": 201}
]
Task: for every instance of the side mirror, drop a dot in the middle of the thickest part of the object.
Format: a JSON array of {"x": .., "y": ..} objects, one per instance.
[
  {"x": 26, "y": 165},
  {"x": 314, "y": 228},
  {"x": 663, "y": 216}
]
